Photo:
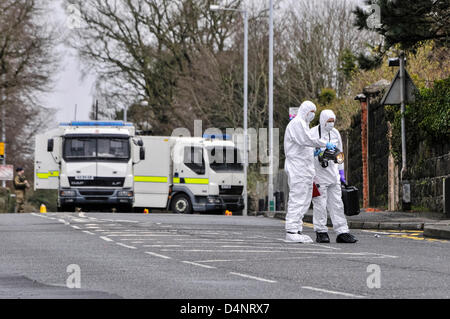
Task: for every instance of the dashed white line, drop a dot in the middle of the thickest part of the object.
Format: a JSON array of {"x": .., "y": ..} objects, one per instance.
[
  {"x": 75, "y": 227},
  {"x": 220, "y": 260},
  {"x": 333, "y": 292},
  {"x": 199, "y": 265},
  {"x": 106, "y": 238},
  {"x": 126, "y": 246},
  {"x": 157, "y": 255},
  {"x": 88, "y": 232},
  {"x": 158, "y": 246},
  {"x": 253, "y": 277}
]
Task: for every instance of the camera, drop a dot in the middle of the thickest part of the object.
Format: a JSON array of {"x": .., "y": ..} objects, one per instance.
[{"x": 330, "y": 155}]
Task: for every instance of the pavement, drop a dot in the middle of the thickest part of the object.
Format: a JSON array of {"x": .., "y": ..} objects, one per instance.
[
  {"x": 169, "y": 256},
  {"x": 434, "y": 225}
]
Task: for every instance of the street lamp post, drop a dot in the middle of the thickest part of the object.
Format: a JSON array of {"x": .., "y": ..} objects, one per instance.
[
  {"x": 245, "y": 14},
  {"x": 271, "y": 203}
]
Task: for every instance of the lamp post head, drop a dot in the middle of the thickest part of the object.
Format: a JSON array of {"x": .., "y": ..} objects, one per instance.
[{"x": 394, "y": 62}]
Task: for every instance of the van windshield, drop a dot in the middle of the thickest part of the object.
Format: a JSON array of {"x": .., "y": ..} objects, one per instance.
[
  {"x": 105, "y": 149},
  {"x": 225, "y": 159}
]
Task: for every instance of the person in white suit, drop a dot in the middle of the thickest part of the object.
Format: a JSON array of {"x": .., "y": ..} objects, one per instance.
[{"x": 328, "y": 181}]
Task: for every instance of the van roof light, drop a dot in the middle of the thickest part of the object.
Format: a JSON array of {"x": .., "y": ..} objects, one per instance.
[{"x": 97, "y": 123}]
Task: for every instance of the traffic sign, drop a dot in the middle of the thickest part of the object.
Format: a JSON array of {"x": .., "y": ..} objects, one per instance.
[{"x": 393, "y": 95}]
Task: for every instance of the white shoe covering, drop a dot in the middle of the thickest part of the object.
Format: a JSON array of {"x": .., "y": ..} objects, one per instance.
[{"x": 298, "y": 238}]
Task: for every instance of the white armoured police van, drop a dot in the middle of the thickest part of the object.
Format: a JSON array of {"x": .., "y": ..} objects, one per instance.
[{"x": 102, "y": 165}]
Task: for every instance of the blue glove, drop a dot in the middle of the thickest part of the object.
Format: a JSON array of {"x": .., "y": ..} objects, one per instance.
[
  {"x": 317, "y": 152},
  {"x": 331, "y": 146}
]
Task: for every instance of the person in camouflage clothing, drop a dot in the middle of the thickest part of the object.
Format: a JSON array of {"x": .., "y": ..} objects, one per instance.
[{"x": 20, "y": 184}]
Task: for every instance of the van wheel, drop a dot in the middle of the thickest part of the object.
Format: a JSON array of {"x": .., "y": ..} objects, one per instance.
[{"x": 181, "y": 204}]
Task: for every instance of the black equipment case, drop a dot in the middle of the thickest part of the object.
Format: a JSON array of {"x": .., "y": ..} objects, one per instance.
[{"x": 350, "y": 197}]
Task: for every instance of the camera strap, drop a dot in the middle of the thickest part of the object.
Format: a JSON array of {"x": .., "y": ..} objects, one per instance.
[{"x": 320, "y": 133}]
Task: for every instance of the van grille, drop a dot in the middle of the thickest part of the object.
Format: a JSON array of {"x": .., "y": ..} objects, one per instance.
[
  {"x": 234, "y": 190},
  {"x": 98, "y": 181}
]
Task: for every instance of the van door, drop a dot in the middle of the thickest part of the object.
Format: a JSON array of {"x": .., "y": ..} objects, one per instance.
[
  {"x": 152, "y": 175},
  {"x": 192, "y": 173},
  {"x": 47, "y": 164}
]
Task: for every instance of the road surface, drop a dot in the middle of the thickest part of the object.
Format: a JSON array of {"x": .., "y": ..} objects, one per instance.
[{"x": 165, "y": 256}]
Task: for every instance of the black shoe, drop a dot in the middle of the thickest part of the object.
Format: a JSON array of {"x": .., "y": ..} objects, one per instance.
[
  {"x": 346, "y": 239},
  {"x": 322, "y": 238}
]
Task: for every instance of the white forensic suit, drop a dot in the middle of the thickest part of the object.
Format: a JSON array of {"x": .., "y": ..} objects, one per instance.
[
  {"x": 328, "y": 181},
  {"x": 299, "y": 146}
]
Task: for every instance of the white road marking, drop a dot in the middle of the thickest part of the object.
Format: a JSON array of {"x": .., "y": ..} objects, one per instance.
[
  {"x": 250, "y": 260},
  {"x": 110, "y": 232},
  {"x": 37, "y": 215},
  {"x": 252, "y": 277},
  {"x": 126, "y": 221},
  {"x": 243, "y": 251},
  {"x": 333, "y": 292},
  {"x": 64, "y": 221},
  {"x": 80, "y": 220},
  {"x": 325, "y": 246},
  {"x": 75, "y": 227},
  {"x": 88, "y": 232},
  {"x": 220, "y": 260},
  {"x": 106, "y": 238},
  {"x": 161, "y": 246},
  {"x": 209, "y": 240},
  {"x": 157, "y": 255},
  {"x": 126, "y": 246},
  {"x": 199, "y": 265},
  {"x": 277, "y": 247},
  {"x": 314, "y": 252},
  {"x": 148, "y": 235}
]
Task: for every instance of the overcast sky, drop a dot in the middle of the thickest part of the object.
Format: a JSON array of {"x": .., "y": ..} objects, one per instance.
[{"x": 70, "y": 88}]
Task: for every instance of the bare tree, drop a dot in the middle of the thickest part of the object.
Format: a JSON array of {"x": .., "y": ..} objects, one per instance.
[
  {"x": 140, "y": 47},
  {"x": 27, "y": 63}
]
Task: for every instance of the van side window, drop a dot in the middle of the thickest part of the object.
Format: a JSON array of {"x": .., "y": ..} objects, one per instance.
[{"x": 193, "y": 158}]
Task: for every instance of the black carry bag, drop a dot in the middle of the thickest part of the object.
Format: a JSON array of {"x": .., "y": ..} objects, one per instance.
[{"x": 350, "y": 197}]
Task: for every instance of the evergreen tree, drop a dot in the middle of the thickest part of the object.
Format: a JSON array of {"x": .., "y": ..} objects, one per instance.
[{"x": 405, "y": 23}]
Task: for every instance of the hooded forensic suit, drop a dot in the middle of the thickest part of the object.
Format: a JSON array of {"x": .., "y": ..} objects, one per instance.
[
  {"x": 328, "y": 181},
  {"x": 299, "y": 146}
]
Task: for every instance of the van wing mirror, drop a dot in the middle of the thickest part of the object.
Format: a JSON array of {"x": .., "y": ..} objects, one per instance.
[
  {"x": 142, "y": 153},
  {"x": 138, "y": 142},
  {"x": 50, "y": 145}
]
